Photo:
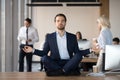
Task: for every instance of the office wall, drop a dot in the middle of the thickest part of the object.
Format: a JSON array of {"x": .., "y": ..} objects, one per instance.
[
  {"x": 79, "y": 19},
  {"x": 115, "y": 17}
]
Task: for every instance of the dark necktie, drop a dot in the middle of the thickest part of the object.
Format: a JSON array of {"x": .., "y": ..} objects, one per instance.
[{"x": 27, "y": 36}]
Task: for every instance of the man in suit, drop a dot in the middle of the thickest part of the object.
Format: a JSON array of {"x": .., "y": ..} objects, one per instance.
[{"x": 65, "y": 55}]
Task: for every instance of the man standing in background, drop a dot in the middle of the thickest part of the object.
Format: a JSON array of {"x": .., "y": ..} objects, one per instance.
[{"x": 27, "y": 35}]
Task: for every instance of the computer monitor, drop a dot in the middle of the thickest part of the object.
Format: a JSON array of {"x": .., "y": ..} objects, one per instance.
[
  {"x": 84, "y": 44},
  {"x": 111, "y": 58}
]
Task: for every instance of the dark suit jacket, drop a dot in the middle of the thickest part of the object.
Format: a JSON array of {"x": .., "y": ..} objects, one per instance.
[{"x": 51, "y": 45}]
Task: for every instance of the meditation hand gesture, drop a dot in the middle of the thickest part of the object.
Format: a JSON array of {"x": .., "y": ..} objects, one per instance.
[{"x": 27, "y": 49}]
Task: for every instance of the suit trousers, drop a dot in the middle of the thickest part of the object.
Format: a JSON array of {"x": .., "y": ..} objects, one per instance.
[
  {"x": 67, "y": 65},
  {"x": 28, "y": 56}
]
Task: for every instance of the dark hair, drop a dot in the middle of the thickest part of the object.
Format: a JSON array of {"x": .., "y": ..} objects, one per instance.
[
  {"x": 28, "y": 20},
  {"x": 60, "y": 14},
  {"x": 78, "y": 32},
  {"x": 116, "y": 39}
]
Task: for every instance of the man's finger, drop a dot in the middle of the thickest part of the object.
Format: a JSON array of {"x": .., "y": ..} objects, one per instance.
[{"x": 26, "y": 47}]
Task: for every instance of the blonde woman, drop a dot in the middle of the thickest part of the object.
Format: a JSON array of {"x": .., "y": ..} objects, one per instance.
[{"x": 104, "y": 38}]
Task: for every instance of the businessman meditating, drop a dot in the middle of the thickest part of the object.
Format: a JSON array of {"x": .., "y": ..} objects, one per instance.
[{"x": 64, "y": 53}]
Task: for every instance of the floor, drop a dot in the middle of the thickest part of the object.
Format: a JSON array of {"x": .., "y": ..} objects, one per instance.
[{"x": 35, "y": 67}]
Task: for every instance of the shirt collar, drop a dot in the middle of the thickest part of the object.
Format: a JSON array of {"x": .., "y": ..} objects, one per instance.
[
  {"x": 28, "y": 27},
  {"x": 61, "y": 36},
  {"x": 103, "y": 28}
]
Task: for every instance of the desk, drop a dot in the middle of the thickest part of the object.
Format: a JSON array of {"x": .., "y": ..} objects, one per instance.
[
  {"x": 42, "y": 76},
  {"x": 87, "y": 63},
  {"x": 89, "y": 60}
]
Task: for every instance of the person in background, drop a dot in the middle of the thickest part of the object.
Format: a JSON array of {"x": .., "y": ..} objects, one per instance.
[
  {"x": 27, "y": 35},
  {"x": 116, "y": 41},
  {"x": 84, "y": 44},
  {"x": 65, "y": 55},
  {"x": 78, "y": 35},
  {"x": 104, "y": 38}
]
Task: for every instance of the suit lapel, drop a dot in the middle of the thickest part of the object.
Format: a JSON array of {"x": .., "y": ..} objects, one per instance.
[
  {"x": 68, "y": 42},
  {"x": 55, "y": 45}
]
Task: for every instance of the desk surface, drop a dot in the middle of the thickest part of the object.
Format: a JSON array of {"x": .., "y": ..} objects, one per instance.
[
  {"x": 89, "y": 60},
  {"x": 42, "y": 76}
]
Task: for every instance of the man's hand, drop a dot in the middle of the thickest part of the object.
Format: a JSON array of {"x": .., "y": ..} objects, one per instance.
[
  {"x": 96, "y": 50},
  {"x": 27, "y": 49},
  {"x": 29, "y": 40}
]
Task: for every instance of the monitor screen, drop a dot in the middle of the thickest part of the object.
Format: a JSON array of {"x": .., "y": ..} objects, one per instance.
[
  {"x": 84, "y": 44},
  {"x": 112, "y": 57}
]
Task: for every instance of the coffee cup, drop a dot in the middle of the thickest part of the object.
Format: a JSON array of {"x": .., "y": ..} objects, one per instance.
[{"x": 95, "y": 69}]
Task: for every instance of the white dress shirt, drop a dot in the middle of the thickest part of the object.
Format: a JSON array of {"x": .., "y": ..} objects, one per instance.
[
  {"x": 62, "y": 46},
  {"x": 32, "y": 34}
]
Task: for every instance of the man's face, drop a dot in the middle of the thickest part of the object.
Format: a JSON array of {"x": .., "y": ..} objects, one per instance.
[
  {"x": 78, "y": 36},
  {"x": 60, "y": 22},
  {"x": 27, "y": 24},
  {"x": 115, "y": 43}
]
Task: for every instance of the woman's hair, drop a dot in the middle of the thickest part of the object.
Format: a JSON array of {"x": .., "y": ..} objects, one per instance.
[
  {"x": 104, "y": 21},
  {"x": 80, "y": 35}
]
